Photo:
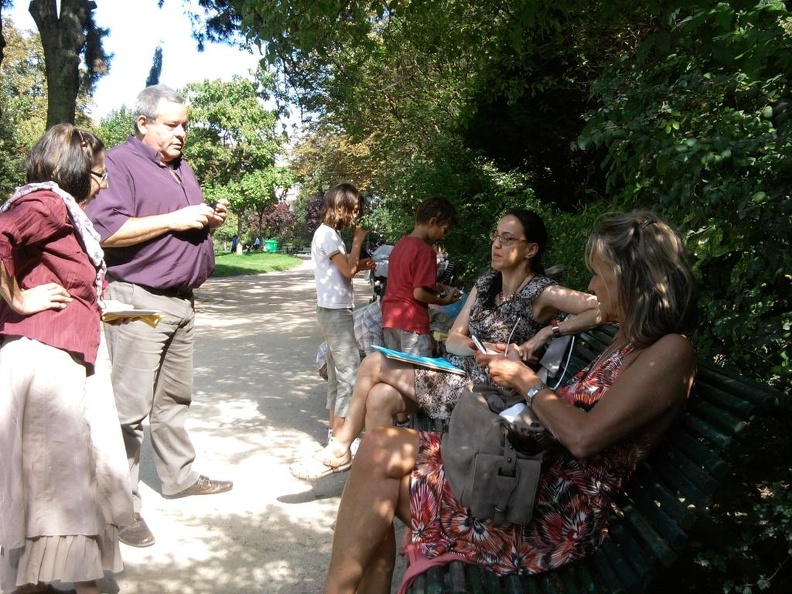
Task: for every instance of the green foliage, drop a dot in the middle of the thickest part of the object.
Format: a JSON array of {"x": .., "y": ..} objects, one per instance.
[
  {"x": 23, "y": 103},
  {"x": 156, "y": 68},
  {"x": 233, "y": 144},
  {"x": 116, "y": 127},
  {"x": 697, "y": 125}
]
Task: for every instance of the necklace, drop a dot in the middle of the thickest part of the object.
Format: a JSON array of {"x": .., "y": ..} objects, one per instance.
[
  {"x": 503, "y": 298},
  {"x": 612, "y": 348}
]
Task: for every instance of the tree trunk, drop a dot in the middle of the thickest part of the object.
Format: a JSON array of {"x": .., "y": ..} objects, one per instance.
[
  {"x": 63, "y": 40},
  {"x": 2, "y": 39}
]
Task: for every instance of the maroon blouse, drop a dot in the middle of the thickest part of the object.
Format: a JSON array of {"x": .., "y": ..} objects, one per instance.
[{"x": 39, "y": 245}]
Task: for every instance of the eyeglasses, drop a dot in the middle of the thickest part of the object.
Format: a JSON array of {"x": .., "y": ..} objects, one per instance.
[
  {"x": 101, "y": 176},
  {"x": 503, "y": 238}
]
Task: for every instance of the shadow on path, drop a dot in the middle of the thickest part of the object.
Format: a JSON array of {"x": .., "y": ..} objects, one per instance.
[{"x": 258, "y": 405}]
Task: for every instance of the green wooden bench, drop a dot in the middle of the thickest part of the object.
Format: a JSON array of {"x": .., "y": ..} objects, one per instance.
[{"x": 651, "y": 519}]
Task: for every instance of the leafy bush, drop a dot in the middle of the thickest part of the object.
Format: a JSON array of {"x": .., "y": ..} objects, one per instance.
[{"x": 696, "y": 125}]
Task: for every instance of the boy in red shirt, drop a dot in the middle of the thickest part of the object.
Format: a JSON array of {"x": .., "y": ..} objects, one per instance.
[{"x": 412, "y": 280}]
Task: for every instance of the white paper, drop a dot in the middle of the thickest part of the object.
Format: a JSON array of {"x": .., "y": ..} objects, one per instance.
[{"x": 511, "y": 413}]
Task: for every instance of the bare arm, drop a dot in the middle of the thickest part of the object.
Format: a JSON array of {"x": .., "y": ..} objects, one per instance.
[
  {"x": 458, "y": 341},
  {"x": 426, "y": 295},
  {"x": 350, "y": 264},
  {"x": 551, "y": 301},
  {"x": 136, "y": 230},
  {"x": 652, "y": 388}
]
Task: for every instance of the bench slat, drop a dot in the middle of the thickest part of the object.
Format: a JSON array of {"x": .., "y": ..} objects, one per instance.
[
  {"x": 633, "y": 552},
  {"x": 717, "y": 416},
  {"x": 704, "y": 429},
  {"x": 647, "y": 534},
  {"x": 741, "y": 386},
  {"x": 692, "y": 481},
  {"x": 621, "y": 565},
  {"x": 457, "y": 575},
  {"x": 647, "y": 485},
  {"x": 738, "y": 406},
  {"x": 667, "y": 526},
  {"x": 703, "y": 455},
  {"x": 607, "y": 574}
]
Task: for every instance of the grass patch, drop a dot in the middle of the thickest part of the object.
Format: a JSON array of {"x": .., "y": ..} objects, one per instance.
[{"x": 252, "y": 263}]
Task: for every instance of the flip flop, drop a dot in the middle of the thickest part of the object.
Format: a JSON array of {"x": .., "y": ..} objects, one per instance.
[{"x": 319, "y": 466}]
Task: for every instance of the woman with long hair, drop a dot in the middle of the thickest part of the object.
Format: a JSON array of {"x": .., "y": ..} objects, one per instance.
[{"x": 605, "y": 421}]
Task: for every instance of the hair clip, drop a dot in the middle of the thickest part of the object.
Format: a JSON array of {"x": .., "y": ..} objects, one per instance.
[
  {"x": 83, "y": 142},
  {"x": 645, "y": 224}
]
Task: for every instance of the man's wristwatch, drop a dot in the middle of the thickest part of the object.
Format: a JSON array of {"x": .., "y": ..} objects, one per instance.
[{"x": 532, "y": 392}]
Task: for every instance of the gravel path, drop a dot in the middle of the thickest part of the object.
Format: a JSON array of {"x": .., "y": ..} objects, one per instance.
[{"x": 258, "y": 404}]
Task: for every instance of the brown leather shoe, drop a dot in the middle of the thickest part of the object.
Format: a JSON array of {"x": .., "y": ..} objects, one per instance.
[
  {"x": 137, "y": 534},
  {"x": 203, "y": 486}
]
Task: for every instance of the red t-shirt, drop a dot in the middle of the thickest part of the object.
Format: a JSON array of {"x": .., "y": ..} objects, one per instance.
[
  {"x": 412, "y": 264},
  {"x": 38, "y": 245}
]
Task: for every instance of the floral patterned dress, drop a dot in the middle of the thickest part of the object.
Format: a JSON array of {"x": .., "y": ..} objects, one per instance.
[
  {"x": 437, "y": 391},
  {"x": 571, "y": 509}
]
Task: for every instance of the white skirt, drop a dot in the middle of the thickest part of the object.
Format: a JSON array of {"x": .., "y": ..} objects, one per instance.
[{"x": 64, "y": 478}]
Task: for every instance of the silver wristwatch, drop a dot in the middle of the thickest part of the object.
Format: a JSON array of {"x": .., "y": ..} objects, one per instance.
[{"x": 532, "y": 392}]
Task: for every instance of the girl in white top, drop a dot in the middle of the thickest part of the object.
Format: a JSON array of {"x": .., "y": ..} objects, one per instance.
[{"x": 333, "y": 271}]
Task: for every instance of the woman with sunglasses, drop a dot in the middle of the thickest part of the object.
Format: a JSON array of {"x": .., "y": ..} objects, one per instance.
[{"x": 513, "y": 303}]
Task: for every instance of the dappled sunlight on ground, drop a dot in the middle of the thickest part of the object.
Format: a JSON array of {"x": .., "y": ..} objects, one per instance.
[{"x": 258, "y": 406}]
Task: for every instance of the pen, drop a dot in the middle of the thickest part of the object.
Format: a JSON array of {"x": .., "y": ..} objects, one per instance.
[{"x": 508, "y": 340}]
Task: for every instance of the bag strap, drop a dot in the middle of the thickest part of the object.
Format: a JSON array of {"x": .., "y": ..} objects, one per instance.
[{"x": 505, "y": 480}]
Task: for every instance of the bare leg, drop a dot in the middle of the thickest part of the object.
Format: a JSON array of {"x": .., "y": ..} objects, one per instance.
[
  {"x": 378, "y": 489},
  {"x": 378, "y": 576},
  {"x": 375, "y": 369},
  {"x": 383, "y": 402},
  {"x": 336, "y": 423}
]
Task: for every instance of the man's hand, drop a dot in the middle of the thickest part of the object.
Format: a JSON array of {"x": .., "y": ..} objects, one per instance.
[
  {"x": 196, "y": 216},
  {"x": 219, "y": 214},
  {"x": 36, "y": 299}
]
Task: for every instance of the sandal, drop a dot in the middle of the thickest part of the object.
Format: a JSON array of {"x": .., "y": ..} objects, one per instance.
[{"x": 319, "y": 466}]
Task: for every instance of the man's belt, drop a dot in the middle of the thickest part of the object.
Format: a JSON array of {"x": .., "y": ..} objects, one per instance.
[{"x": 174, "y": 292}]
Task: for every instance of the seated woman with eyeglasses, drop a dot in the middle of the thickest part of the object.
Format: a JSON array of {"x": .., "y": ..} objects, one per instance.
[{"x": 514, "y": 300}]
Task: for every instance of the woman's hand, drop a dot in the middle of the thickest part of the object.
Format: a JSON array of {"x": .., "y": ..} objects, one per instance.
[
  {"x": 507, "y": 371},
  {"x": 533, "y": 348},
  {"x": 40, "y": 298}
]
